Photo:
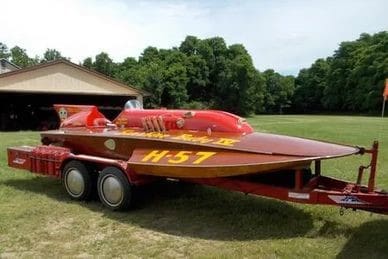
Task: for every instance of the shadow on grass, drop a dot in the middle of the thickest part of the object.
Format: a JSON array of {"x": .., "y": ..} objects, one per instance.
[
  {"x": 370, "y": 240},
  {"x": 194, "y": 211}
]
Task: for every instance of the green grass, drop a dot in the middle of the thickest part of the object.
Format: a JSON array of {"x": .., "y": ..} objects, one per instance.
[{"x": 178, "y": 220}]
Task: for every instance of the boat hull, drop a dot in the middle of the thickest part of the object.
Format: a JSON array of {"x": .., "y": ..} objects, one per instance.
[
  {"x": 183, "y": 154},
  {"x": 205, "y": 164}
]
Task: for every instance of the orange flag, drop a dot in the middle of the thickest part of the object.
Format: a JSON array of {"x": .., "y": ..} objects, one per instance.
[{"x": 385, "y": 93}]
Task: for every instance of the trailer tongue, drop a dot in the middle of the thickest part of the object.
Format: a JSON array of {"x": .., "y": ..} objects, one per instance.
[{"x": 303, "y": 187}]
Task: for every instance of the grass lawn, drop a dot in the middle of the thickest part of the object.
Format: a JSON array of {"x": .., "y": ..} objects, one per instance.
[{"x": 176, "y": 220}]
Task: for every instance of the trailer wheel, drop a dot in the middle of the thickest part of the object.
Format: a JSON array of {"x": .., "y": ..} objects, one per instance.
[
  {"x": 114, "y": 190},
  {"x": 77, "y": 180}
]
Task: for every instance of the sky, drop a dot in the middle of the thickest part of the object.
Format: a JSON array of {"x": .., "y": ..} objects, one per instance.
[{"x": 279, "y": 34}]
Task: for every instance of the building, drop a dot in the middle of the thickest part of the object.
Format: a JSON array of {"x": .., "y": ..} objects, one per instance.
[
  {"x": 27, "y": 95},
  {"x": 6, "y": 66}
]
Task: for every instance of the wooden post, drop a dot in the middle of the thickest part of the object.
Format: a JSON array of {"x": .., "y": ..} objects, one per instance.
[
  {"x": 140, "y": 99},
  {"x": 373, "y": 164},
  {"x": 298, "y": 179},
  {"x": 317, "y": 167}
]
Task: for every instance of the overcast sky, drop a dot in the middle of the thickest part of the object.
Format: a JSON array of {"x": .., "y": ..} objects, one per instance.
[{"x": 284, "y": 35}]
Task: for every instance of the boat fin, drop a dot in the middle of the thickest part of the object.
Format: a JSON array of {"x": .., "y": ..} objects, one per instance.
[
  {"x": 80, "y": 116},
  {"x": 65, "y": 111}
]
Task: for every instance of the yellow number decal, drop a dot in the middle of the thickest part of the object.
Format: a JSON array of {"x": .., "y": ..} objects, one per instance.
[
  {"x": 203, "y": 157},
  {"x": 155, "y": 156},
  {"x": 180, "y": 157}
]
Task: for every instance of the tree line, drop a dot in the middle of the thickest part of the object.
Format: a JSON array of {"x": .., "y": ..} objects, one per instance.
[
  {"x": 207, "y": 73},
  {"x": 201, "y": 74},
  {"x": 19, "y": 56},
  {"x": 351, "y": 80}
]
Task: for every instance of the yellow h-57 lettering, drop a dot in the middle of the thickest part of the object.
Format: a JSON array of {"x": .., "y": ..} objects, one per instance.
[{"x": 195, "y": 158}]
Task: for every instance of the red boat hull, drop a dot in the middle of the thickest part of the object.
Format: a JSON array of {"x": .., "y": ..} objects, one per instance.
[{"x": 230, "y": 154}]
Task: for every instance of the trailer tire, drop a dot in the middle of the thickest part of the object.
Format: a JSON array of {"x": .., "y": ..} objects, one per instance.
[
  {"x": 77, "y": 181},
  {"x": 114, "y": 189}
]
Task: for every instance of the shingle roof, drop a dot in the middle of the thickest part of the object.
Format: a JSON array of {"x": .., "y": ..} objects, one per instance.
[{"x": 84, "y": 69}]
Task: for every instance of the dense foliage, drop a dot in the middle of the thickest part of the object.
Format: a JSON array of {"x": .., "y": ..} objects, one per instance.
[
  {"x": 201, "y": 74},
  {"x": 352, "y": 80},
  {"x": 206, "y": 73},
  {"x": 19, "y": 56},
  {"x": 198, "y": 74}
]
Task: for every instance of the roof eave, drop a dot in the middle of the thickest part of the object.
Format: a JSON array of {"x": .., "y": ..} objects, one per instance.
[{"x": 67, "y": 62}]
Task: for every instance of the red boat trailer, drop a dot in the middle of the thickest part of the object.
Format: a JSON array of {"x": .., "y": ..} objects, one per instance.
[{"x": 299, "y": 186}]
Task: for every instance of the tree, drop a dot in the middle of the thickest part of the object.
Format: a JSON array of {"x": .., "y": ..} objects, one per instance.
[
  {"x": 240, "y": 90},
  {"x": 368, "y": 74},
  {"x": 357, "y": 71},
  {"x": 351, "y": 80},
  {"x": 338, "y": 76},
  {"x": 88, "y": 63},
  {"x": 198, "y": 79},
  {"x": 51, "y": 55},
  {"x": 287, "y": 84},
  {"x": 165, "y": 76},
  {"x": 190, "y": 45},
  {"x": 279, "y": 91},
  {"x": 174, "y": 93},
  {"x": 153, "y": 82},
  {"x": 128, "y": 72},
  {"x": 150, "y": 54},
  {"x": 19, "y": 57},
  {"x": 310, "y": 85},
  {"x": 258, "y": 92},
  {"x": 213, "y": 51},
  {"x": 104, "y": 64},
  {"x": 4, "y": 53}
]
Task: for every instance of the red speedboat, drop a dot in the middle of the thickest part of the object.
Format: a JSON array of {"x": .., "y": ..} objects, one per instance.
[{"x": 185, "y": 143}]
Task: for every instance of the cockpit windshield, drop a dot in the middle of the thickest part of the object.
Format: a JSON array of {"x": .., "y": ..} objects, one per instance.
[{"x": 133, "y": 105}]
